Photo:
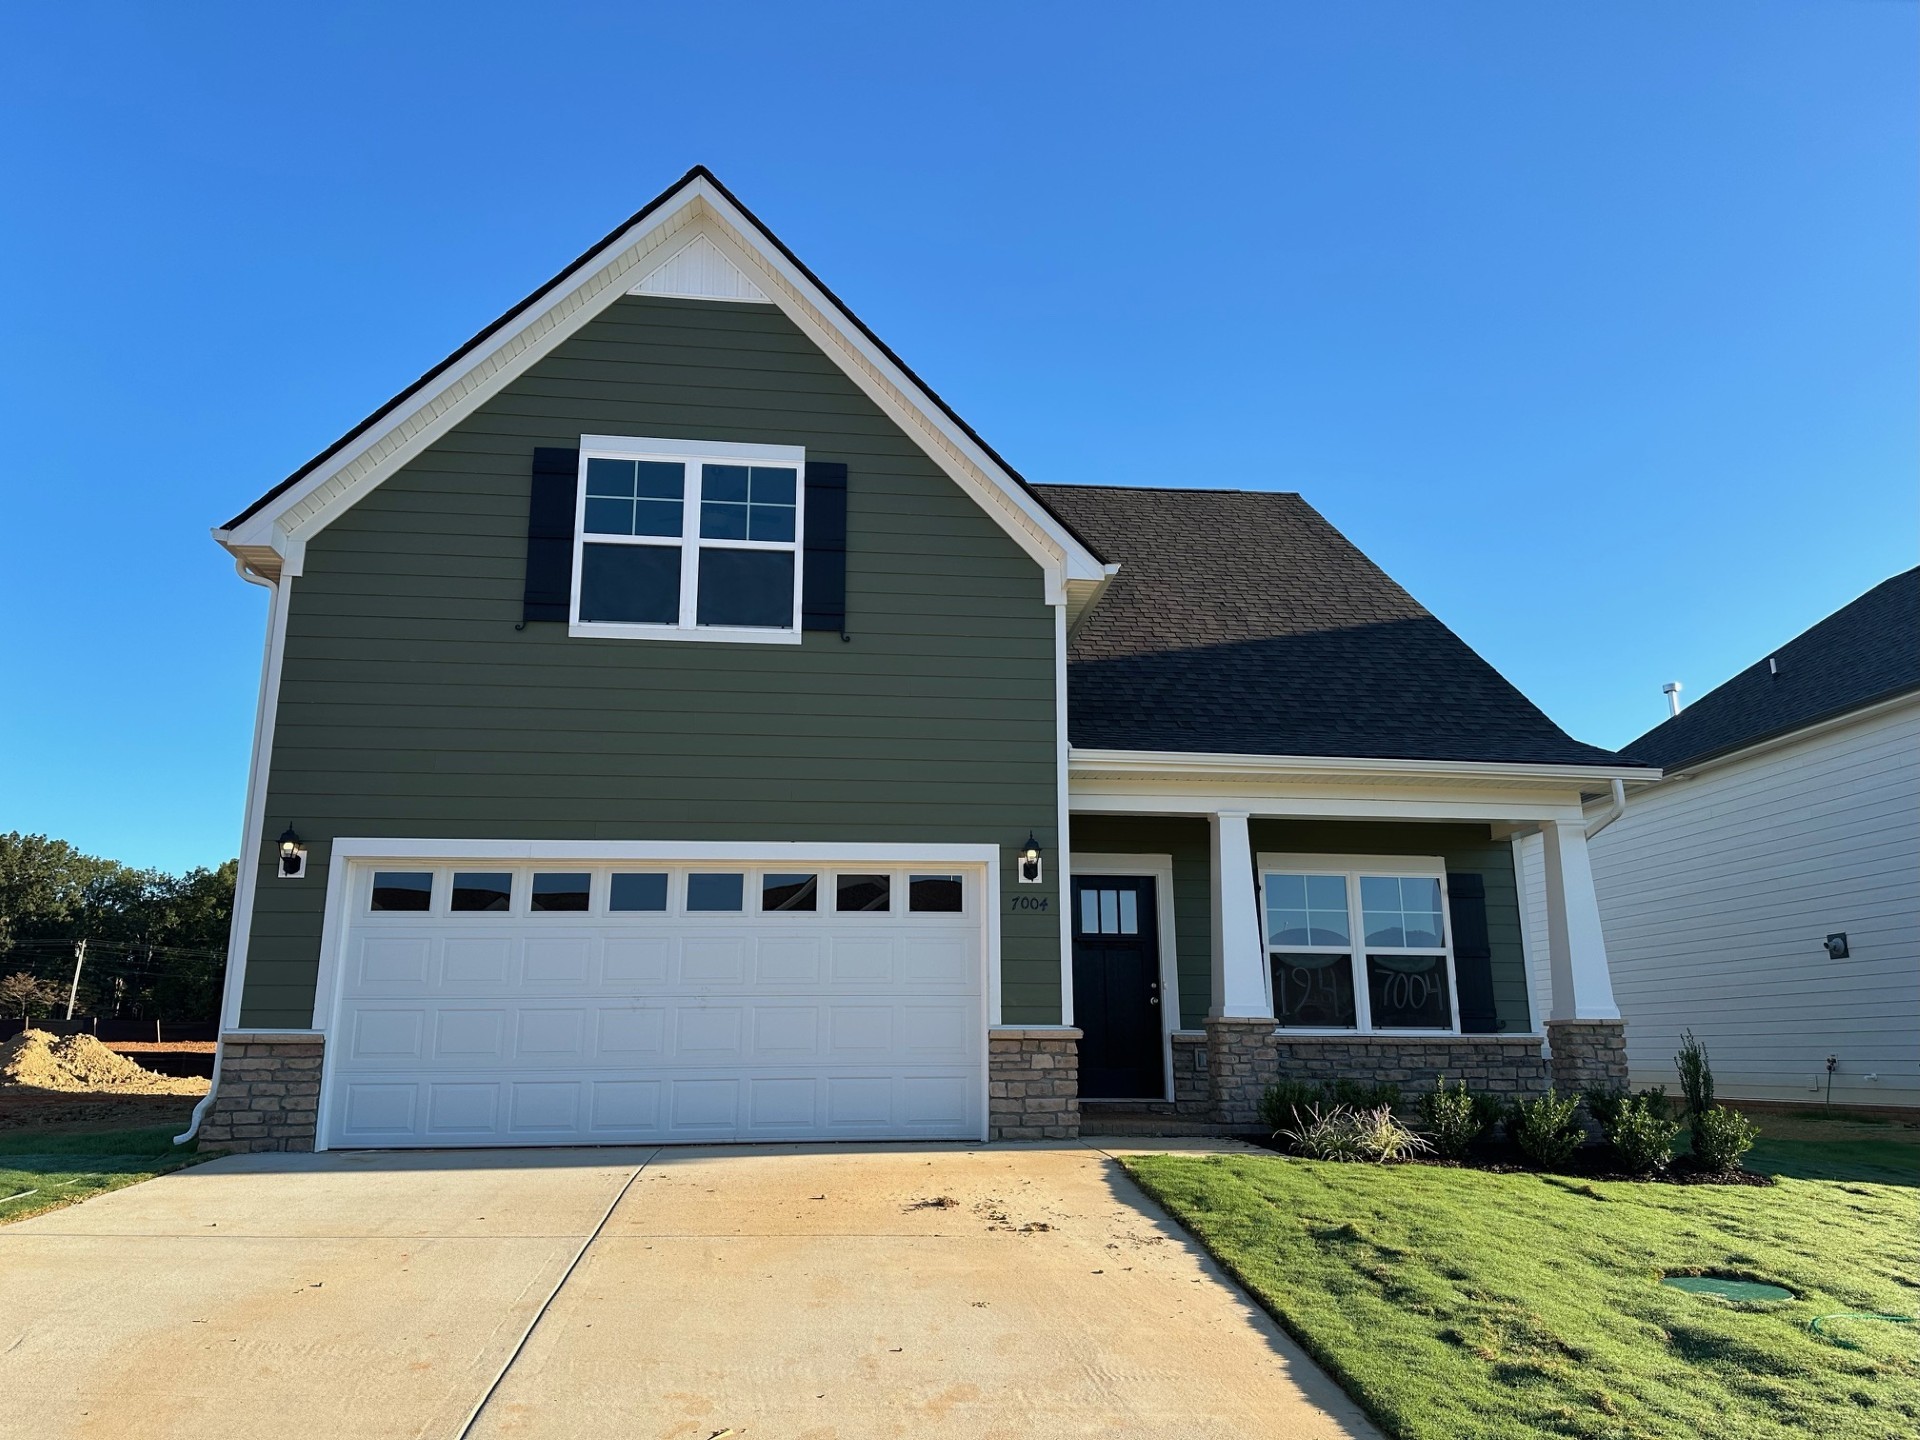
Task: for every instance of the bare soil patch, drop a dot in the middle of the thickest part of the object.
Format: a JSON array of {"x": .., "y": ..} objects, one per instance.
[
  {"x": 80, "y": 1064},
  {"x": 161, "y": 1047}
]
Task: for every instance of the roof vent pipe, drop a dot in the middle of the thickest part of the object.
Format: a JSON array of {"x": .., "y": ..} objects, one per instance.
[{"x": 1672, "y": 691}]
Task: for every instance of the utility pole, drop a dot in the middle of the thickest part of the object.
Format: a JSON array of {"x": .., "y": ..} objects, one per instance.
[{"x": 79, "y": 959}]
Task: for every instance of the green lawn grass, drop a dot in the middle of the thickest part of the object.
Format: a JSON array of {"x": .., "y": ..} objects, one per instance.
[
  {"x": 41, "y": 1172},
  {"x": 1463, "y": 1305}
]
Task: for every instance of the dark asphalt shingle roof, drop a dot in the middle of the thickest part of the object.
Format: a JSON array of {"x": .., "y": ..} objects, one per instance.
[
  {"x": 1861, "y": 654},
  {"x": 1242, "y": 622}
]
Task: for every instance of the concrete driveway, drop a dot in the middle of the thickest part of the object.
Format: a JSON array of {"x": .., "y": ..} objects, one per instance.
[{"x": 758, "y": 1292}]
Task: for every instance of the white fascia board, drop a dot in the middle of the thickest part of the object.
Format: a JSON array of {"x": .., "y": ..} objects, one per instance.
[
  {"x": 294, "y": 517},
  {"x": 354, "y": 847},
  {"x": 1861, "y": 716},
  {"x": 1205, "y": 765}
]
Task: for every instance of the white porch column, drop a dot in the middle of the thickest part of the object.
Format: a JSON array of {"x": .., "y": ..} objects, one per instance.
[
  {"x": 1582, "y": 985},
  {"x": 1239, "y": 964}
]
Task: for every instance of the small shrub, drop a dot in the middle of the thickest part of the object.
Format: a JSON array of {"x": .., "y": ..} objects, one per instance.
[
  {"x": 1364, "y": 1095},
  {"x": 1355, "y": 1135},
  {"x": 1720, "y": 1137},
  {"x": 1696, "y": 1081},
  {"x": 1286, "y": 1104},
  {"x": 1643, "y": 1131},
  {"x": 1605, "y": 1104},
  {"x": 1546, "y": 1128},
  {"x": 1454, "y": 1118}
]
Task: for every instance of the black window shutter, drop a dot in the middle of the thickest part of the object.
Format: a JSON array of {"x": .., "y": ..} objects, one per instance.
[
  {"x": 1472, "y": 952},
  {"x": 823, "y": 578},
  {"x": 550, "y": 507}
]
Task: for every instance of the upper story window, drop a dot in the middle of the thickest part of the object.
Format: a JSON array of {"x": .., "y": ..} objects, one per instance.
[{"x": 685, "y": 539}]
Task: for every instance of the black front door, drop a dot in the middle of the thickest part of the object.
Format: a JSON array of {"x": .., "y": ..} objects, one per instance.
[{"x": 1116, "y": 988}]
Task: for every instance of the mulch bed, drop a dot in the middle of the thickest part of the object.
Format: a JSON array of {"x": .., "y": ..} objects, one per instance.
[{"x": 1589, "y": 1162}]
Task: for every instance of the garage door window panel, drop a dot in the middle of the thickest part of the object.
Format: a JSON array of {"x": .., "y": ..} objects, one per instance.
[
  {"x": 477, "y": 892},
  {"x": 561, "y": 892},
  {"x": 862, "y": 894},
  {"x": 402, "y": 891},
  {"x": 936, "y": 895},
  {"x": 637, "y": 890},
  {"x": 789, "y": 892},
  {"x": 710, "y": 891}
]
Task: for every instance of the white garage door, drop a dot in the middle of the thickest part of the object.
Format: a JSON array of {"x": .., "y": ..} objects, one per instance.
[{"x": 562, "y": 1003}]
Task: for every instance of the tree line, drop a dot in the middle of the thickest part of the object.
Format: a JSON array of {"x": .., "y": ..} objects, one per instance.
[{"x": 155, "y": 943}]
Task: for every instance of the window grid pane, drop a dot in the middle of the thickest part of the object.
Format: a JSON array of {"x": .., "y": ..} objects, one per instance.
[
  {"x": 1307, "y": 910},
  {"x": 1314, "y": 991},
  {"x": 1409, "y": 992},
  {"x": 1402, "y": 911}
]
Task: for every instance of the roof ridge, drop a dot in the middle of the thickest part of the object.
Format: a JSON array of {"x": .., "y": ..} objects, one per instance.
[{"x": 1162, "y": 489}]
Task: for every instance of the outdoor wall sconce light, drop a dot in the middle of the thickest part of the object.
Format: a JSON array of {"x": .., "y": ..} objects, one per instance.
[
  {"x": 1836, "y": 944},
  {"x": 293, "y": 856},
  {"x": 1030, "y": 861}
]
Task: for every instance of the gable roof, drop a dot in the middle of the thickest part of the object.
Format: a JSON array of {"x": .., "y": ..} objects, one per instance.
[
  {"x": 696, "y": 210},
  {"x": 1241, "y": 622},
  {"x": 1862, "y": 654}
]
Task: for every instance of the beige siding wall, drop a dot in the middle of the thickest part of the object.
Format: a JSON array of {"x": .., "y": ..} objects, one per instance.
[{"x": 1715, "y": 893}]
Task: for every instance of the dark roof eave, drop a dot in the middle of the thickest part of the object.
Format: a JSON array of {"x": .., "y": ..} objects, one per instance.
[{"x": 1779, "y": 732}]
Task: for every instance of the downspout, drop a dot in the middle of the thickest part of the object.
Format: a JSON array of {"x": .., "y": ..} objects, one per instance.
[
  {"x": 1615, "y": 809},
  {"x": 246, "y": 876}
]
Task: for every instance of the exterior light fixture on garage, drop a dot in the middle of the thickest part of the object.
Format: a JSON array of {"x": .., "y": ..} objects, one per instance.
[
  {"x": 293, "y": 856},
  {"x": 1030, "y": 861}
]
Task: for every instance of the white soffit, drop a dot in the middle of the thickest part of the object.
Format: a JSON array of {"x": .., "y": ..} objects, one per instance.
[{"x": 698, "y": 271}]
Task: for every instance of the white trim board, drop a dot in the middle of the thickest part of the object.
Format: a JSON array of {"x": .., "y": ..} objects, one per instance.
[
  {"x": 695, "y": 209},
  {"x": 1160, "y": 868}
]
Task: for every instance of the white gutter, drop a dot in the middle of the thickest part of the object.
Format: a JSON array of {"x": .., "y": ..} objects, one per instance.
[
  {"x": 1201, "y": 763},
  {"x": 1615, "y": 809},
  {"x": 245, "y": 881}
]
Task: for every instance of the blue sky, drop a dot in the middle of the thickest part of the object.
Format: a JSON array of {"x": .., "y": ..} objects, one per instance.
[{"x": 1594, "y": 324}]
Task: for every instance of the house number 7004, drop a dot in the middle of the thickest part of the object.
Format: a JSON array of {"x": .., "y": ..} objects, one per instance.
[{"x": 1031, "y": 902}]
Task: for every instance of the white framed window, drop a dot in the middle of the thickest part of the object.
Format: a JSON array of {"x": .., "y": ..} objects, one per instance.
[
  {"x": 688, "y": 540},
  {"x": 1359, "y": 942}
]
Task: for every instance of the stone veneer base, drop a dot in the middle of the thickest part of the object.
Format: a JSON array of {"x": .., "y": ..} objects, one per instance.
[
  {"x": 1244, "y": 1057},
  {"x": 268, "y": 1092},
  {"x": 1588, "y": 1055},
  {"x": 1033, "y": 1083}
]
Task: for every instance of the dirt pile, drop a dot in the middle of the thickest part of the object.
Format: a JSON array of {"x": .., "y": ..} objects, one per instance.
[{"x": 38, "y": 1060}]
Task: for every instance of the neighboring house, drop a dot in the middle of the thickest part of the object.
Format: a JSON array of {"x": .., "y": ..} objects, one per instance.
[
  {"x": 665, "y": 723},
  {"x": 1790, "y": 814}
]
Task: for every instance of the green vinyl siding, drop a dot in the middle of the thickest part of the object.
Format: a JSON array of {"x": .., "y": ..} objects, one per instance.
[
  {"x": 1465, "y": 848},
  {"x": 1186, "y": 839},
  {"x": 411, "y": 705}
]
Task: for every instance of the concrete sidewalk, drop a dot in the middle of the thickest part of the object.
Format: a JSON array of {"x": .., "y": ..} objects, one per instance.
[{"x": 777, "y": 1291}]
